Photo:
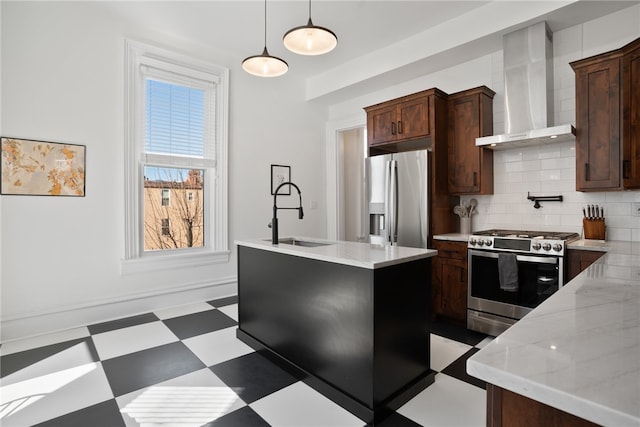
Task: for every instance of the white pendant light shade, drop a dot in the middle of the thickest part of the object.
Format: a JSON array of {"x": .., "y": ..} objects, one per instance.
[
  {"x": 265, "y": 65},
  {"x": 310, "y": 39}
]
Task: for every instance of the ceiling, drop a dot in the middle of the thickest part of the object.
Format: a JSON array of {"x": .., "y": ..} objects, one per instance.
[{"x": 376, "y": 39}]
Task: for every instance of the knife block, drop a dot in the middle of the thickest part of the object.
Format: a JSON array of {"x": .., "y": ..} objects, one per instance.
[{"x": 594, "y": 228}]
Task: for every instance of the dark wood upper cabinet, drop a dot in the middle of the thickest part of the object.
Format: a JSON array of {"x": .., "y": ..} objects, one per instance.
[
  {"x": 470, "y": 117},
  {"x": 406, "y": 119},
  {"x": 405, "y": 123},
  {"x": 607, "y": 111},
  {"x": 631, "y": 118}
]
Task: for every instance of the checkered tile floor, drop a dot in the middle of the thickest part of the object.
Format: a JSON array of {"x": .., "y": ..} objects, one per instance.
[{"x": 184, "y": 367}]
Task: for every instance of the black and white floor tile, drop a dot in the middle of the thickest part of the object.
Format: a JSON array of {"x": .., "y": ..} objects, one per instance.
[{"x": 184, "y": 366}]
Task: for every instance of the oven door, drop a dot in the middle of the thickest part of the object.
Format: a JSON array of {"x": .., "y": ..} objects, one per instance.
[{"x": 538, "y": 278}]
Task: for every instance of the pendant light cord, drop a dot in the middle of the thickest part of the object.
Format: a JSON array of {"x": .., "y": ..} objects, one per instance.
[
  {"x": 265, "y": 24},
  {"x": 309, "y": 9}
]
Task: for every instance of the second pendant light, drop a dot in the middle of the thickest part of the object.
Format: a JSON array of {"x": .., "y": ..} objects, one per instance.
[{"x": 310, "y": 39}]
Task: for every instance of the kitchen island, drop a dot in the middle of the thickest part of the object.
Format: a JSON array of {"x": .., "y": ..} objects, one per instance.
[
  {"x": 351, "y": 319},
  {"x": 575, "y": 359}
]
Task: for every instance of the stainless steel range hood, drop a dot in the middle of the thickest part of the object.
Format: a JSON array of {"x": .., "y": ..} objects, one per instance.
[{"x": 528, "y": 92}]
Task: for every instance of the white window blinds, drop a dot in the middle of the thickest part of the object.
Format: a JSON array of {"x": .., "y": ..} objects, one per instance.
[{"x": 178, "y": 123}]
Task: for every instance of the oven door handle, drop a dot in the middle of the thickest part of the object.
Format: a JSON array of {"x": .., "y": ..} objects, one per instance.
[{"x": 523, "y": 258}]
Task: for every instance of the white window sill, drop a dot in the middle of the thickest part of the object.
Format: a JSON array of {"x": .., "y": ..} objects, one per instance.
[{"x": 155, "y": 262}]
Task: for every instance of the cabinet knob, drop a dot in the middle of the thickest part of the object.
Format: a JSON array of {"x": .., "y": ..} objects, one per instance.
[
  {"x": 393, "y": 128},
  {"x": 399, "y": 126}
]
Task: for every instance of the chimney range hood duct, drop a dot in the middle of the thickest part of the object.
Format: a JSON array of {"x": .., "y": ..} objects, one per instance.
[{"x": 528, "y": 92}]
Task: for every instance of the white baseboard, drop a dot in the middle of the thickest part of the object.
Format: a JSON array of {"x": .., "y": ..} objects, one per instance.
[{"x": 37, "y": 323}]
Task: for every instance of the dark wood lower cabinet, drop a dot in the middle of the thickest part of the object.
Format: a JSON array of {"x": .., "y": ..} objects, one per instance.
[
  {"x": 578, "y": 260},
  {"x": 449, "y": 281},
  {"x": 508, "y": 409}
]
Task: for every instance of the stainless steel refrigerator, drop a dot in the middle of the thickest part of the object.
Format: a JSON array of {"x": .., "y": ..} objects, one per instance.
[{"x": 397, "y": 198}]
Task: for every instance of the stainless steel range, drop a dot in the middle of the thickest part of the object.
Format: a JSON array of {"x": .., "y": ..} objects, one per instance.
[{"x": 510, "y": 273}]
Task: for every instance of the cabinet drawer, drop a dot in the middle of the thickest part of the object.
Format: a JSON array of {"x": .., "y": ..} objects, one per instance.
[{"x": 448, "y": 249}]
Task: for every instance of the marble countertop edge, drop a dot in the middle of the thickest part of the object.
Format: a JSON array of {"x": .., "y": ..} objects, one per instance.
[
  {"x": 363, "y": 255},
  {"x": 571, "y": 403}
]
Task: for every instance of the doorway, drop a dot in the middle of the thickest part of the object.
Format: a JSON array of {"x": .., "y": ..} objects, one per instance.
[{"x": 351, "y": 152}]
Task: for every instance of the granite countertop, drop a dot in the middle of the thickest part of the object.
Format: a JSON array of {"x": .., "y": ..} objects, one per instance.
[
  {"x": 355, "y": 254},
  {"x": 579, "y": 351}
]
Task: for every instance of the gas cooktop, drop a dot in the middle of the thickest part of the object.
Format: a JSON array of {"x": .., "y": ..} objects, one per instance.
[
  {"x": 519, "y": 234},
  {"x": 535, "y": 242}
]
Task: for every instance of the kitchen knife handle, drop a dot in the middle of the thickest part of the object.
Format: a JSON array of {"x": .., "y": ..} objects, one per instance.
[
  {"x": 399, "y": 126},
  {"x": 393, "y": 128}
]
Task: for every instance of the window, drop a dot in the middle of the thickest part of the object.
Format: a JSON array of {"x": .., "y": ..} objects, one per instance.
[
  {"x": 165, "y": 198},
  {"x": 176, "y": 160},
  {"x": 166, "y": 228}
]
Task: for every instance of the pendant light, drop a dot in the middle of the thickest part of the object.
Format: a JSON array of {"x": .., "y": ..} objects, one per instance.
[
  {"x": 265, "y": 65},
  {"x": 310, "y": 39}
]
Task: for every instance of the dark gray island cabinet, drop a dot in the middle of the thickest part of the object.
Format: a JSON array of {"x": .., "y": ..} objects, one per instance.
[{"x": 351, "y": 319}]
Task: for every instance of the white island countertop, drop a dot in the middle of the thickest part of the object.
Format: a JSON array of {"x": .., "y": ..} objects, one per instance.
[
  {"x": 356, "y": 254},
  {"x": 579, "y": 351}
]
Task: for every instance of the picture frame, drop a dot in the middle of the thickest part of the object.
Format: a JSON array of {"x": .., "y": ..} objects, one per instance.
[
  {"x": 41, "y": 168},
  {"x": 280, "y": 174}
]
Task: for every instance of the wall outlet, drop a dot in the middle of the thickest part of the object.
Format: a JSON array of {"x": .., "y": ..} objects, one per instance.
[{"x": 635, "y": 209}]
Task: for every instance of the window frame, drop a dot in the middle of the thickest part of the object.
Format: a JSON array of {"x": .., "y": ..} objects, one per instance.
[{"x": 173, "y": 65}]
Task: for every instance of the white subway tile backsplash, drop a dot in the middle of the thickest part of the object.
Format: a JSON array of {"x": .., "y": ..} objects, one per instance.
[
  {"x": 612, "y": 209},
  {"x": 507, "y": 156},
  {"x": 550, "y": 169},
  {"x": 623, "y": 196},
  {"x": 552, "y": 163}
]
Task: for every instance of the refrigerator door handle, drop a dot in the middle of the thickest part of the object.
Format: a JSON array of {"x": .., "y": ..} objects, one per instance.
[
  {"x": 393, "y": 202},
  {"x": 387, "y": 201}
]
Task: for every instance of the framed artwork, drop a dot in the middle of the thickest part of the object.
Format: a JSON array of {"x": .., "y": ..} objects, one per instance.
[
  {"x": 280, "y": 174},
  {"x": 39, "y": 168}
]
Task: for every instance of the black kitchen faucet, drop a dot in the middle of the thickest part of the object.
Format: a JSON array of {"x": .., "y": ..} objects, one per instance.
[{"x": 274, "y": 220}]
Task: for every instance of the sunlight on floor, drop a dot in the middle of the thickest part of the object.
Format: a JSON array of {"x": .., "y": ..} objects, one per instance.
[
  {"x": 15, "y": 397},
  {"x": 183, "y": 406}
]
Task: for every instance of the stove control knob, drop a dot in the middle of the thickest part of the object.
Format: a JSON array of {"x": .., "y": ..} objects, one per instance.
[
  {"x": 488, "y": 242},
  {"x": 480, "y": 242},
  {"x": 546, "y": 246},
  {"x": 472, "y": 241},
  {"x": 557, "y": 247},
  {"x": 536, "y": 246}
]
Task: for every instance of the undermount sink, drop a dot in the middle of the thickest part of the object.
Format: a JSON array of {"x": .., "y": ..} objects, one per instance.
[{"x": 306, "y": 243}]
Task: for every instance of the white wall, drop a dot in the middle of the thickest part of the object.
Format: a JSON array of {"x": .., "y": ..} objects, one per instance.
[
  {"x": 62, "y": 80},
  {"x": 546, "y": 170}
]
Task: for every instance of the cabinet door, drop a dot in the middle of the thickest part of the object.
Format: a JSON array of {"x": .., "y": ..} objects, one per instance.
[
  {"x": 413, "y": 119},
  {"x": 381, "y": 125},
  {"x": 464, "y": 156},
  {"x": 449, "y": 282},
  {"x": 598, "y": 126},
  {"x": 631, "y": 129},
  {"x": 578, "y": 260},
  {"x": 470, "y": 167},
  {"x": 454, "y": 290}
]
